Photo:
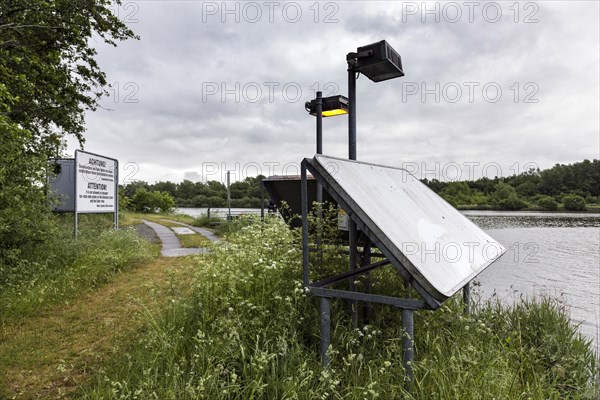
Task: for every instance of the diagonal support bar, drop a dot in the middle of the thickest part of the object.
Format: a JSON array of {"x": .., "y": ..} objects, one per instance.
[
  {"x": 349, "y": 274},
  {"x": 410, "y": 304}
]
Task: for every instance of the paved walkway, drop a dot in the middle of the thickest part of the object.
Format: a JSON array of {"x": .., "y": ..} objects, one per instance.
[
  {"x": 204, "y": 232},
  {"x": 171, "y": 247}
]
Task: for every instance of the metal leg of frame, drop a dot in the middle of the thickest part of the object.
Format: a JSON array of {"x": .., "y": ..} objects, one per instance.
[
  {"x": 320, "y": 227},
  {"x": 262, "y": 201},
  {"x": 467, "y": 297},
  {"x": 304, "y": 195},
  {"x": 407, "y": 343},
  {"x": 352, "y": 233},
  {"x": 366, "y": 260},
  {"x": 325, "y": 327}
]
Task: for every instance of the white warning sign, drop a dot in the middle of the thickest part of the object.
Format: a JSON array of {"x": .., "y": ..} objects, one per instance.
[{"x": 96, "y": 183}]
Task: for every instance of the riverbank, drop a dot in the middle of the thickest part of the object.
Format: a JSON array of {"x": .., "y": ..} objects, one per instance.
[
  {"x": 590, "y": 208},
  {"x": 236, "y": 324},
  {"x": 248, "y": 330}
]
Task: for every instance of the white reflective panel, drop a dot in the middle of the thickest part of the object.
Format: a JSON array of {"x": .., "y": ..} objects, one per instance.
[{"x": 441, "y": 248}]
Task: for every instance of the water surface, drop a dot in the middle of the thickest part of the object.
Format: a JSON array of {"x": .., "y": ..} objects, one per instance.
[{"x": 547, "y": 253}]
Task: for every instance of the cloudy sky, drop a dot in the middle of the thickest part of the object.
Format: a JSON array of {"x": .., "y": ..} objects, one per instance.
[{"x": 490, "y": 88}]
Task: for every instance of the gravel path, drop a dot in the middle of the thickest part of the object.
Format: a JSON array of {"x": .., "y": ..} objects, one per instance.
[{"x": 146, "y": 232}]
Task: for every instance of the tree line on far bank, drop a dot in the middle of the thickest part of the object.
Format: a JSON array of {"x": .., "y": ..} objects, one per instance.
[
  {"x": 573, "y": 187},
  {"x": 140, "y": 196}
]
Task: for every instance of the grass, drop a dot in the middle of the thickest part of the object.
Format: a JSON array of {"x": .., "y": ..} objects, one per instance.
[
  {"x": 51, "y": 354},
  {"x": 163, "y": 219},
  {"x": 194, "y": 241},
  {"x": 248, "y": 330},
  {"x": 171, "y": 221},
  {"x": 60, "y": 268}
]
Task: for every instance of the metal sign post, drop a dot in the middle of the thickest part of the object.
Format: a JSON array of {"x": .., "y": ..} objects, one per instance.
[{"x": 228, "y": 195}]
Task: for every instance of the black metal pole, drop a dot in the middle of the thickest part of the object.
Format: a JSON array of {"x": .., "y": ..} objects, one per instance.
[
  {"x": 325, "y": 328},
  {"x": 304, "y": 195},
  {"x": 352, "y": 233},
  {"x": 351, "y": 109},
  {"x": 228, "y": 195},
  {"x": 319, "y": 123},
  {"x": 319, "y": 194},
  {"x": 467, "y": 297},
  {"x": 366, "y": 260},
  {"x": 319, "y": 138},
  {"x": 262, "y": 201},
  {"x": 407, "y": 343}
]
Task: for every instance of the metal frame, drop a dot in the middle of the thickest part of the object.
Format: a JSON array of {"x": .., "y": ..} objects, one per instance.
[
  {"x": 325, "y": 294},
  {"x": 363, "y": 223},
  {"x": 55, "y": 159}
]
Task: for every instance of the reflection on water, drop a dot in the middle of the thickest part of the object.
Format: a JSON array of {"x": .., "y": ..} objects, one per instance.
[
  {"x": 220, "y": 212},
  {"x": 503, "y": 220},
  {"x": 547, "y": 253}
]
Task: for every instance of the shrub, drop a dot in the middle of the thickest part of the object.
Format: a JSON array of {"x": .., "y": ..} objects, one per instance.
[
  {"x": 505, "y": 198},
  {"x": 574, "y": 202},
  {"x": 547, "y": 203},
  {"x": 206, "y": 221},
  {"x": 146, "y": 201}
]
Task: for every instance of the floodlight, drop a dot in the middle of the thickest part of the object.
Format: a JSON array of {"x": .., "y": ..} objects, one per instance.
[
  {"x": 332, "y": 106},
  {"x": 379, "y": 61}
]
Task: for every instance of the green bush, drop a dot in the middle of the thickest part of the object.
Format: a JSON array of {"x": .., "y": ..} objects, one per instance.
[
  {"x": 505, "y": 198},
  {"x": 145, "y": 201},
  {"x": 547, "y": 203},
  {"x": 207, "y": 222},
  {"x": 574, "y": 202},
  {"x": 512, "y": 203},
  {"x": 591, "y": 200}
]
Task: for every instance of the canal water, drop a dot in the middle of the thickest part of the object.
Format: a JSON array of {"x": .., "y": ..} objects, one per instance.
[
  {"x": 557, "y": 254},
  {"x": 220, "y": 212}
]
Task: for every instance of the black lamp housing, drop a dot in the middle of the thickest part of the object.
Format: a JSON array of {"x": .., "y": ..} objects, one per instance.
[
  {"x": 379, "y": 62},
  {"x": 332, "y": 105}
]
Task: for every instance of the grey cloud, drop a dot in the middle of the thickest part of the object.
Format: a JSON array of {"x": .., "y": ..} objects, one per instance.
[{"x": 176, "y": 125}]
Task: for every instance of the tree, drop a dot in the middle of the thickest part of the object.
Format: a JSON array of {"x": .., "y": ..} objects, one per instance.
[
  {"x": 526, "y": 189},
  {"x": 547, "y": 203},
  {"x": 505, "y": 197},
  {"x": 152, "y": 201},
  {"x": 239, "y": 189},
  {"x": 457, "y": 193},
  {"x": 168, "y": 187},
  {"x": 434, "y": 184},
  {"x": 48, "y": 79},
  {"x": 186, "y": 190},
  {"x": 131, "y": 188},
  {"x": 47, "y": 64}
]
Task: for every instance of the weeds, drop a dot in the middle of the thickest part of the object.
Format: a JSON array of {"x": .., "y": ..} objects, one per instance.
[
  {"x": 249, "y": 330},
  {"x": 60, "y": 267}
]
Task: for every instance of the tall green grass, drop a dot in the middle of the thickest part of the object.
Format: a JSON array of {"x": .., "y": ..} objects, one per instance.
[
  {"x": 249, "y": 331},
  {"x": 58, "y": 268}
]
